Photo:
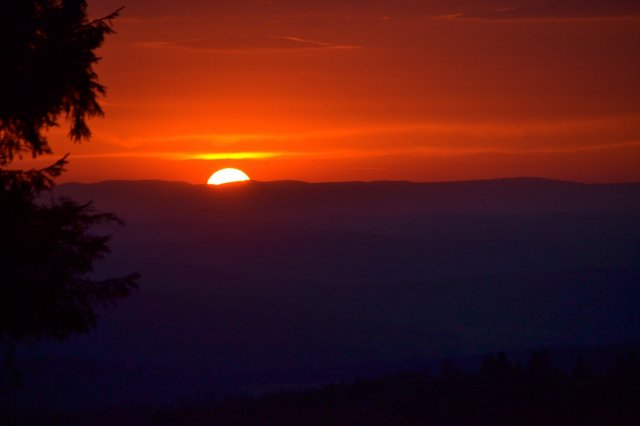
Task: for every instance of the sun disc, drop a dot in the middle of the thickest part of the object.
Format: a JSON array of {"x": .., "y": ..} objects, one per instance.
[{"x": 227, "y": 175}]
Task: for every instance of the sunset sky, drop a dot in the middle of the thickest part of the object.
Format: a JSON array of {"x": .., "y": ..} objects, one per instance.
[{"x": 327, "y": 90}]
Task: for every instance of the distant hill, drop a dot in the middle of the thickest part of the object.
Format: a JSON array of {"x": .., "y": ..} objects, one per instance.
[{"x": 518, "y": 195}]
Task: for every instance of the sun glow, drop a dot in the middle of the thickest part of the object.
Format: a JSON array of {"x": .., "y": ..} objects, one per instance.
[{"x": 227, "y": 176}]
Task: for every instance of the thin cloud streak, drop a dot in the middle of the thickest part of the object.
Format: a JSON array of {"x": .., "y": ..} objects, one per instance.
[
  {"x": 317, "y": 44},
  {"x": 244, "y": 43},
  {"x": 484, "y": 129},
  {"x": 185, "y": 155},
  {"x": 562, "y": 9},
  {"x": 360, "y": 153},
  {"x": 464, "y": 151}
]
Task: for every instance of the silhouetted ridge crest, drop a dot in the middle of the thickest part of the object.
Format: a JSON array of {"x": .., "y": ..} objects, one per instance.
[{"x": 148, "y": 199}]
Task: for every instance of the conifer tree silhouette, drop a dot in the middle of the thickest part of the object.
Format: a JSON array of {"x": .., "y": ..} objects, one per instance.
[{"x": 47, "y": 245}]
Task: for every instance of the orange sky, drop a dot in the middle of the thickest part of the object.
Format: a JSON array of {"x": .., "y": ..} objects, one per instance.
[{"x": 366, "y": 90}]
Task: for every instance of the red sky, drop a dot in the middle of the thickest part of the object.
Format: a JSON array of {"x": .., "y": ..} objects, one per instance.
[{"x": 366, "y": 90}]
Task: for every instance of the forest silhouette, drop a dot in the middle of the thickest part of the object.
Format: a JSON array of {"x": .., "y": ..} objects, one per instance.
[{"x": 502, "y": 393}]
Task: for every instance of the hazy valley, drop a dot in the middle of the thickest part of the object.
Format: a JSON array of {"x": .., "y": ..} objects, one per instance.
[{"x": 261, "y": 286}]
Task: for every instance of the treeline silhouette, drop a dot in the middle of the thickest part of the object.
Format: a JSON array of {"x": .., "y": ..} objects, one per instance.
[{"x": 502, "y": 393}]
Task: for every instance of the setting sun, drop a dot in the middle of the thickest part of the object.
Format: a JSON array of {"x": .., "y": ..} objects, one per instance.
[{"x": 227, "y": 176}]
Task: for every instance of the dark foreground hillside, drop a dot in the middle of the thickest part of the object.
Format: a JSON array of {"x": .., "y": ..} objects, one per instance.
[{"x": 502, "y": 393}]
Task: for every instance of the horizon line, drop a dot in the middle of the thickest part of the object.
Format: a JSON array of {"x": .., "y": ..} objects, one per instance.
[{"x": 404, "y": 181}]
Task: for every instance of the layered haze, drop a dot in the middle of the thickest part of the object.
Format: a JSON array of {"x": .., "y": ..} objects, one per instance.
[{"x": 255, "y": 286}]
